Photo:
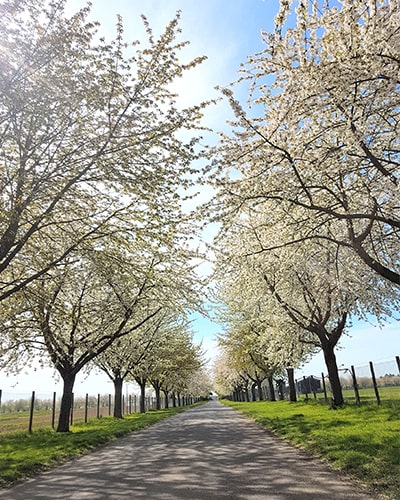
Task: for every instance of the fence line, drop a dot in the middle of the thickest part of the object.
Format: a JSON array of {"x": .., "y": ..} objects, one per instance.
[
  {"x": 34, "y": 412},
  {"x": 374, "y": 376}
]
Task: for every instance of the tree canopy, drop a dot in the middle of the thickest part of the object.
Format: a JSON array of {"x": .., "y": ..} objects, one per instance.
[
  {"x": 307, "y": 183},
  {"x": 323, "y": 147},
  {"x": 95, "y": 165},
  {"x": 88, "y": 135}
]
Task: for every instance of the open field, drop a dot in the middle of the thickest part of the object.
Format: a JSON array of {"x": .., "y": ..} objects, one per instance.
[
  {"x": 363, "y": 441},
  {"x": 366, "y": 395},
  {"x": 19, "y": 421},
  {"x": 385, "y": 393}
]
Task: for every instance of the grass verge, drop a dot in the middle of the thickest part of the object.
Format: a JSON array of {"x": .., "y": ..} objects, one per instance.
[
  {"x": 363, "y": 441},
  {"x": 23, "y": 454}
]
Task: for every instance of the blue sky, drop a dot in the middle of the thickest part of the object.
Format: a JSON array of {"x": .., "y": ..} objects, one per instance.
[{"x": 226, "y": 31}]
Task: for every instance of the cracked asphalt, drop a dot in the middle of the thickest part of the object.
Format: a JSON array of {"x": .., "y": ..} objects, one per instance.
[{"x": 207, "y": 452}]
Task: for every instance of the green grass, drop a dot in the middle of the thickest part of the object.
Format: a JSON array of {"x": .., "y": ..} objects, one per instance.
[
  {"x": 363, "y": 441},
  {"x": 368, "y": 395},
  {"x": 23, "y": 454}
]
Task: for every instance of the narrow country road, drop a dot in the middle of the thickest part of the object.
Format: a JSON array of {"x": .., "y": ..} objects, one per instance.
[{"x": 207, "y": 452}]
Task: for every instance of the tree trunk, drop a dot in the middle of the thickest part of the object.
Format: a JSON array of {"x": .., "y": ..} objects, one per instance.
[
  {"x": 259, "y": 388},
  {"x": 292, "y": 386},
  {"x": 271, "y": 389},
  {"x": 333, "y": 374},
  {"x": 253, "y": 391},
  {"x": 281, "y": 390},
  {"x": 142, "y": 397},
  {"x": 66, "y": 402},
  {"x": 117, "y": 397},
  {"x": 173, "y": 400},
  {"x": 158, "y": 396},
  {"x": 166, "y": 392}
]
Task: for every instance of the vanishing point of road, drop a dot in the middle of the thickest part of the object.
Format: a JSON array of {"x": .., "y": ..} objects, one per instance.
[{"x": 207, "y": 452}]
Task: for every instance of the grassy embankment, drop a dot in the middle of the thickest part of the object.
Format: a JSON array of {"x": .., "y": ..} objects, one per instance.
[
  {"x": 23, "y": 454},
  {"x": 363, "y": 441}
]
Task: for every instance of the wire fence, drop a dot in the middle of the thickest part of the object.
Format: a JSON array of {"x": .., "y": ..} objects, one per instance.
[
  {"x": 360, "y": 383},
  {"x": 20, "y": 412}
]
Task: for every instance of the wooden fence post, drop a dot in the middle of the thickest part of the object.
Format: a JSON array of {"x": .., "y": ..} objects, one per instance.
[
  {"x": 1, "y": 392},
  {"x": 53, "y": 411},
  {"x": 324, "y": 387},
  {"x": 355, "y": 385},
  {"x": 398, "y": 363},
  {"x": 31, "y": 412},
  {"x": 86, "y": 406},
  {"x": 109, "y": 405},
  {"x": 98, "y": 405},
  {"x": 371, "y": 367}
]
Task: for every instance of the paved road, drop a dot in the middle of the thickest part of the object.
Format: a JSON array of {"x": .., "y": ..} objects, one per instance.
[{"x": 207, "y": 452}]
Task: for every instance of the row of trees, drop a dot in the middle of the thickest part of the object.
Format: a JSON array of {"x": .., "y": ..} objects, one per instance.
[
  {"x": 192, "y": 385},
  {"x": 96, "y": 266},
  {"x": 307, "y": 189},
  {"x": 162, "y": 356},
  {"x": 96, "y": 259}
]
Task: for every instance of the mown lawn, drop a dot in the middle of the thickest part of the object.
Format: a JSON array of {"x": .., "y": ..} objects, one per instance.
[
  {"x": 23, "y": 454},
  {"x": 363, "y": 441}
]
